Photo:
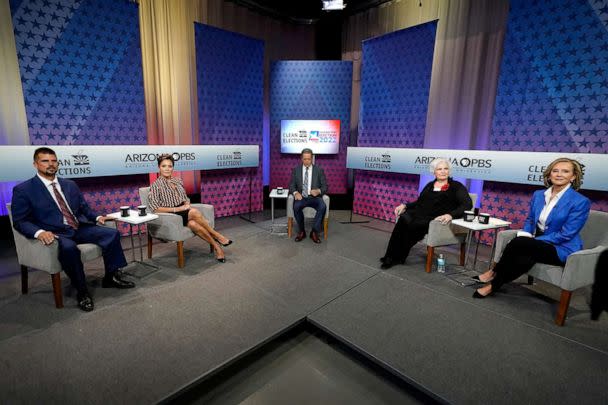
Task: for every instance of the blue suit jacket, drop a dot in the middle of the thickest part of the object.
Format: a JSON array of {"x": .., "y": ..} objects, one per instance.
[
  {"x": 564, "y": 223},
  {"x": 33, "y": 208}
]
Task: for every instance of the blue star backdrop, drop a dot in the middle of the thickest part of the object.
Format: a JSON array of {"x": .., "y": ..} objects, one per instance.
[
  {"x": 81, "y": 71},
  {"x": 552, "y": 93},
  {"x": 230, "y": 80},
  {"x": 395, "y": 84},
  {"x": 310, "y": 90}
]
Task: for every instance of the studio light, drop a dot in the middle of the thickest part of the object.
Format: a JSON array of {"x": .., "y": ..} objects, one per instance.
[{"x": 331, "y": 5}]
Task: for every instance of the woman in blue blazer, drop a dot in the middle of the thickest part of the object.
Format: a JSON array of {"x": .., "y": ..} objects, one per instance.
[{"x": 552, "y": 230}]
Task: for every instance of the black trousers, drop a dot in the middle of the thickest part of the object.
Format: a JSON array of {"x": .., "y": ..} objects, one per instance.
[
  {"x": 599, "y": 298},
  {"x": 519, "y": 256},
  {"x": 406, "y": 234}
]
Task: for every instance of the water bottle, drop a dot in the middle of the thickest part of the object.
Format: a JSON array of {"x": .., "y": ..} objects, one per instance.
[{"x": 441, "y": 264}]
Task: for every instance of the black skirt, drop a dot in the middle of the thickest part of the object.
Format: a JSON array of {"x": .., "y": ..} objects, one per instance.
[{"x": 184, "y": 215}]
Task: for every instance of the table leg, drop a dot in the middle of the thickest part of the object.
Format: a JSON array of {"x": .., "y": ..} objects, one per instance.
[
  {"x": 493, "y": 249},
  {"x": 476, "y": 251},
  {"x": 141, "y": 251},
  {"x": 272, "y": 210},
  {"x": 132, "y": 244},
  {"x": 468, "y": 245}
]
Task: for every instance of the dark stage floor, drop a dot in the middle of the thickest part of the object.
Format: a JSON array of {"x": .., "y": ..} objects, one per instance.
[{"x": 183, "y": 329}]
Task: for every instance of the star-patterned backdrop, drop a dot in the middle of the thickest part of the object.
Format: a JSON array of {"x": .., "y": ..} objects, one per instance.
[
  {"x": 81, "y": 72},
  {"x": 310, "y": 90},
  {"x": 552, "y": 92},
  {"x": 395, "y": 83},
  {"x": 230, "y": 79}
]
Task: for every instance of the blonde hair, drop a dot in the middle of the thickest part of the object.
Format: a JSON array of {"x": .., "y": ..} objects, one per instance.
[{"x": 576, "y": 169}]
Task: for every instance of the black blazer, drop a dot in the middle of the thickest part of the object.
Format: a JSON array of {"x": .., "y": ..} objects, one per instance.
[
  {"x": 317, "y": 180},
  {"x": 455, "y": 201}
]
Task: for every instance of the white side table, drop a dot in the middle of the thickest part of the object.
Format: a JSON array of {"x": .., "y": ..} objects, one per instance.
[
  {"x": 275, "y": 195},
  {"x": 475, "y": 226},
  {"x": 134, "y": 219}
]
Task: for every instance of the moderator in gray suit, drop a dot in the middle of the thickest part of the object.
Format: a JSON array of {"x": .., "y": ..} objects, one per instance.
[{"x": 317, "y": 181}]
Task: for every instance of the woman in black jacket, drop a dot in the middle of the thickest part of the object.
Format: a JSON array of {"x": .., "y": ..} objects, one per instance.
[{"x": 442, "y": 199}]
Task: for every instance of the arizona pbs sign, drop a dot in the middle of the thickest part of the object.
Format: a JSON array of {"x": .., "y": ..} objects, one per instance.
[
  {"x": 112, "y": 160},
  {"x": 508, "y": 167},
  {"x": 322, "y": 136}
]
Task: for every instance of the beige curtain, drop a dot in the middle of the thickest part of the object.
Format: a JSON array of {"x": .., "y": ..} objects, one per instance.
[
  {"x": 168, "y": 59},
  {"x": 467, "y": 58},
  {"x": 13, "y": 121},
  {"x": 388, "y": 17}
]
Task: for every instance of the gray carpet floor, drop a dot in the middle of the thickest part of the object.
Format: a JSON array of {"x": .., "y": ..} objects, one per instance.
[{"x": 179, "y": 325}]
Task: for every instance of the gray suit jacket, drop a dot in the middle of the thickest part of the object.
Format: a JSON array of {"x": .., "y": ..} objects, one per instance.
[{"x": 317, "y": 180}]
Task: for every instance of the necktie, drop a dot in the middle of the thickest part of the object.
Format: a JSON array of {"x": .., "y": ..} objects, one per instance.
[
  {"x": 63, "y": 206},
  {"x": 305, "y": 185}
]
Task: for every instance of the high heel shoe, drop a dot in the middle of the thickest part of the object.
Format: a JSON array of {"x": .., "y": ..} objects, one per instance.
[
  {"x": 476, "y": 278},
  {"x": 224, "y": 244},
  {"x": 476, "y": 294},
  {"x": 221, "y": 259}
]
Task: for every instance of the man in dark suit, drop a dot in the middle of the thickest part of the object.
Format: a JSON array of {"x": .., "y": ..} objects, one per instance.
[
  {"x": 308, "y": 186},
  {"x": 53, "y": 210}
]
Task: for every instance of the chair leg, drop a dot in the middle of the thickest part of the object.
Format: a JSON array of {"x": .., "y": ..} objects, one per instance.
[
  {"x": 430, "y": 253},
  {"x": 180, "y": 254},
  {"x": 562, "y": 310},
  {"x": 325, "y": 224},
  {"x": 24, "y": 283},
  {"x": 149, "y": 246},
  {"x": 56, "y": 281},
  {"x": 530, "y": 280},
  {"x": 289, "y": 226},
  {"x": 463, "y": 252}
]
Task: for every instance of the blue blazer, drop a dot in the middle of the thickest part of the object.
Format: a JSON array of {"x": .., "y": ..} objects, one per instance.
[
  {"x": 33, "y": 208},
  {"x": 563, "y": 226}
]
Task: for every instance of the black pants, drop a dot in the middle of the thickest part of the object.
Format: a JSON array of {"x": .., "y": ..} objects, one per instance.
[
  {"x": 519, "y": 256},
  {"x": 599, "y": 298},
  {"x": 406, "y": 234}
]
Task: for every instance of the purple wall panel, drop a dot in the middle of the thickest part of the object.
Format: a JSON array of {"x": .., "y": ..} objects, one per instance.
[
  {"x": 396, "y": 77},
  {"x": 313, "y": 90},
  {"x": 229, "y": 68}
]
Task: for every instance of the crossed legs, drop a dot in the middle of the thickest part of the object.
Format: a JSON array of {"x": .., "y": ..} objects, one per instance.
[{"x": 200, "y": 226}]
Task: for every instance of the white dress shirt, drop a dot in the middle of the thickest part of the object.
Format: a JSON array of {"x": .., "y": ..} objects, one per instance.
[
  {"x": 309, "y": 178},
  {"x": 549, "y": 205},
  {"x": 48, "y": 184}
]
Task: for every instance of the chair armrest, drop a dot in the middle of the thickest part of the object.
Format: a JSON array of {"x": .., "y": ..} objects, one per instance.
[
  {"x": 502, "y": 240},
  {"x": 326, "y": 200},
  {"x": 290, "y": 200},
  {"x": 440, "y": 234},
  {"x": 32, "y": 253},
  {"x": 208, "y": 212},
  {"x": 580, "y": 268}
]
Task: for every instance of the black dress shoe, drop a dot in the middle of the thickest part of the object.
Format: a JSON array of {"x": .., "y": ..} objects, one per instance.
[
  {"x": 315, "y": 237},
  {"x": 224, "y": 244},
  {"x": 85, "y": 302},
  {"x": 116, "y": 281},
  {"x": 387, "y": 263},
  {"x": 301, "y": 235},
  {"x": 478, "y": 295}
]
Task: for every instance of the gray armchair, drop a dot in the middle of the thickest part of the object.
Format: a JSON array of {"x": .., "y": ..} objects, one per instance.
[
  {"x": 308, "y": 213},
  {"x": 444, "y": 235},
  {"x": 579, "y": 270},
  {"x": 169, "y": 227},
  {"x": 31, "y": 253}
]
